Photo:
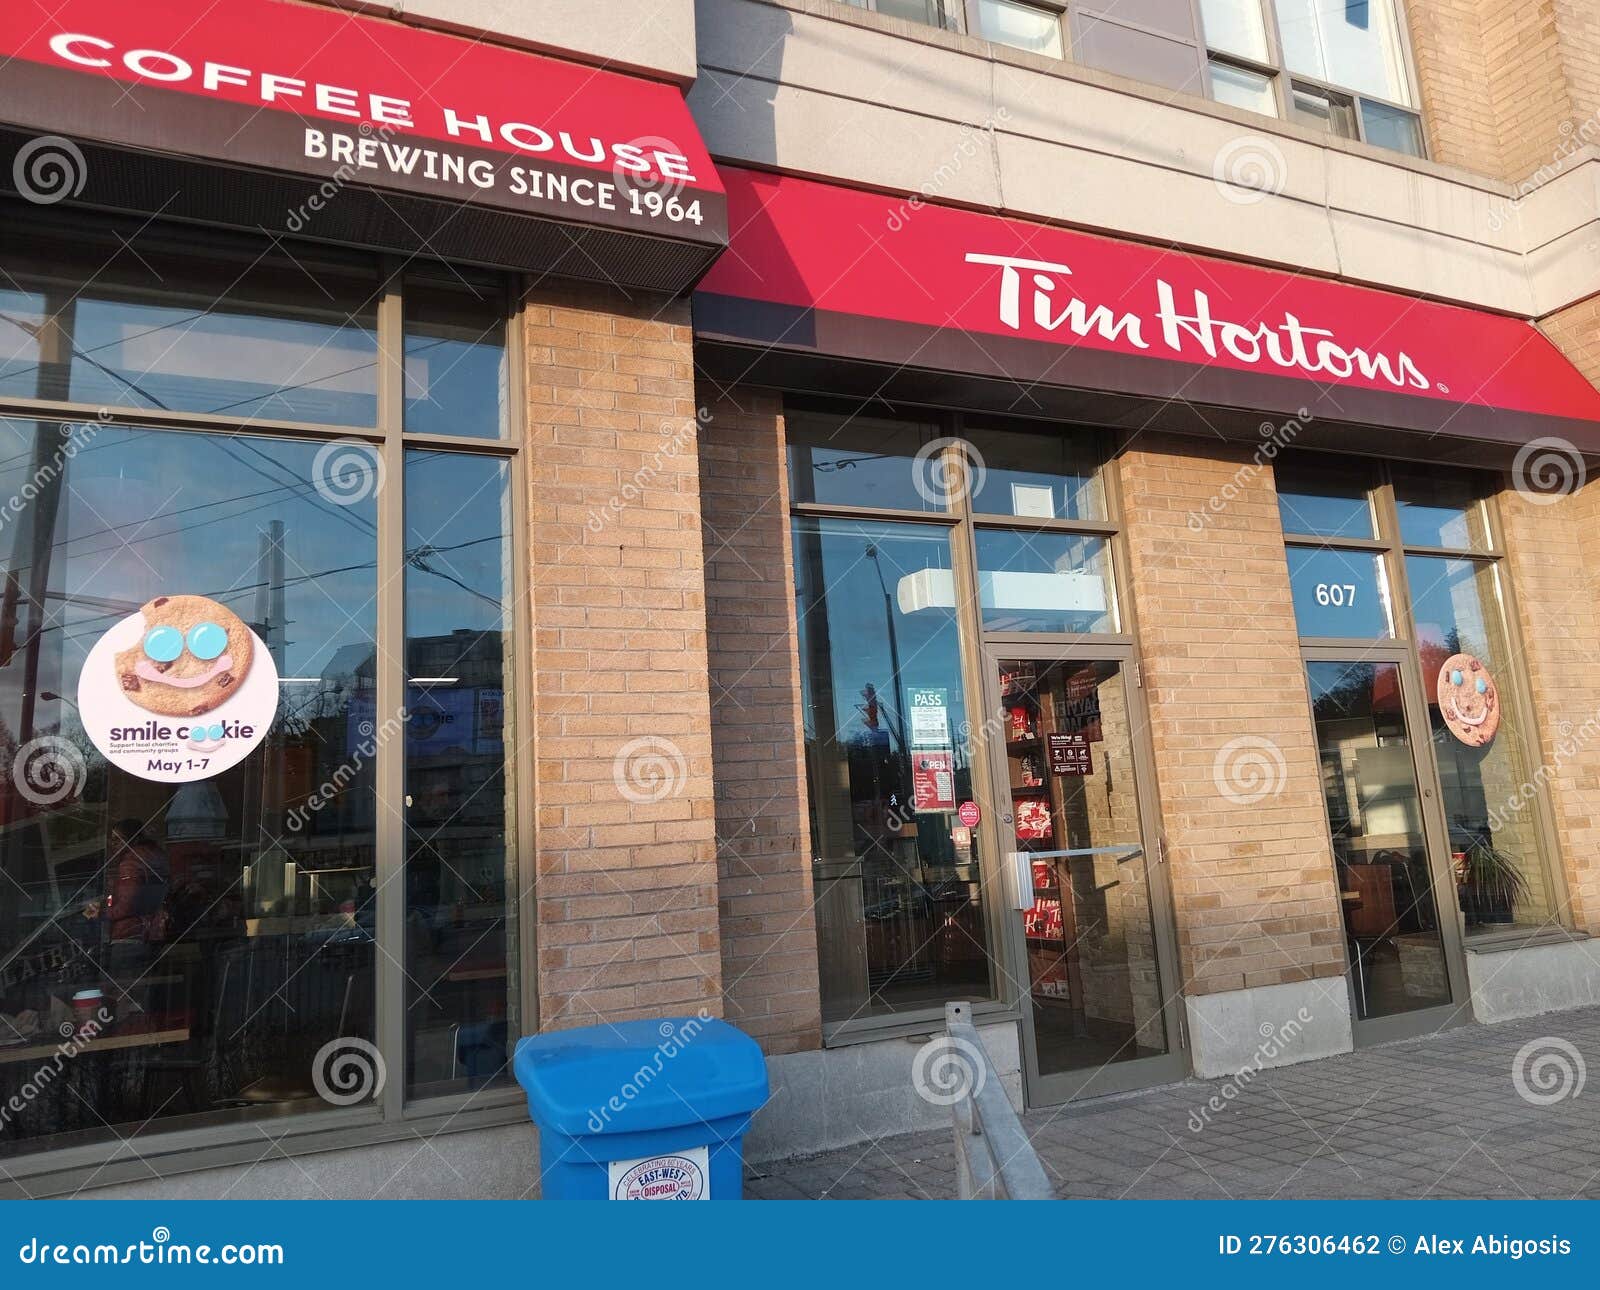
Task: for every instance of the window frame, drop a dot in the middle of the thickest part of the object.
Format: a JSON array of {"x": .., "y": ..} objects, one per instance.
[
  {"x": 1007, "y": 998},
  {"x": 1283, "y": 80},
  {"x": 393, "y": 1117},
  {"x": 1391, "y": 548}
]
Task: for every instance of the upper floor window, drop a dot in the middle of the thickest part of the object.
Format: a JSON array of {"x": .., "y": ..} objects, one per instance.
[{"x": 1334, "y": 65}]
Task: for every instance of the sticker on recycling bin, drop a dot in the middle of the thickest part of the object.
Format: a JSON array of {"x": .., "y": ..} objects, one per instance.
[{"x": 684, "y": 1175}]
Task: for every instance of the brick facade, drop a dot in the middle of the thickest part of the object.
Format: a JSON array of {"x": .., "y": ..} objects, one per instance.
[
  {"x": 1504, "y": 87},
  {"x": 1252, "y": 873},
  {"x": 627, "y": 883},
  {"x": 769, "y": 935}
]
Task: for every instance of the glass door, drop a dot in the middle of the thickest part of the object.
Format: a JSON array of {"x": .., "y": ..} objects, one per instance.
[
  {"x": 1405, "y": 959},
  {"x": 1093, "y": 944}
]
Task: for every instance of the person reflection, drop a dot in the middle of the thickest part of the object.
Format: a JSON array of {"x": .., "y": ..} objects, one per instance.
[{"x": 132, "y": 913}]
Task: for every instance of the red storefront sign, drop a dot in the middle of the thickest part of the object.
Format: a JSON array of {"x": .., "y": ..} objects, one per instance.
[
  {"x": 933, "y": 782},
  {"x": 360, "y": 102},
  {"x": 818, "y": 268}
]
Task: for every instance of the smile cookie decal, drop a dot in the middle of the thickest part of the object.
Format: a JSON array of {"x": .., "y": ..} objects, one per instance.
[
  {"x": 1469, "y": 700},
  {"x": 193, "y": 656}
]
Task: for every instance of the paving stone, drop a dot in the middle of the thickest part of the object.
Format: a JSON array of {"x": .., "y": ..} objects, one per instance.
[{"x": 1435, "y": 1117}]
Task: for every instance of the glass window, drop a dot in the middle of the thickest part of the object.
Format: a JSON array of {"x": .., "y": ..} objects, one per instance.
[
  {"x": 867, "y": 461},
  {"x": 1350, "y": 43},
  {"x": 1242, "y": 89},
  {"x": 1044, "y": 582},
  {"x": 1048, "y": 475},
  {"x": 460, "y": 887},
  {"x": 1235, "y": 27},
  {"x": 1339, "y": 593},
  {"x": 264, "y": 339},
  {"x": 1443, "y": 508},
  {"x": 224, "y": 923},
  {"x": 1369, "y": 784},
  {"x": 934, "y": 13},
  {"x": 455, "y": 361},
  {"x": 1389, "y": 127},
  {"x": 1322, "y": 110},
  {"x": 896, "y": 875},
  {"x": 1480, "y": 742},
  {"x": 1319, "y": 497},
  {"x": 1020, "y": 25}
]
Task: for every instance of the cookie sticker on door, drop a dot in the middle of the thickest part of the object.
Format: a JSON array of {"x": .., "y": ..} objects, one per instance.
[
  {"x": 1469, "y": 700},
  {"x": 180, "y": 691}
]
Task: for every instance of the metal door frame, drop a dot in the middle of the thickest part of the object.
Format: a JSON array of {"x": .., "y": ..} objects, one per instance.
[
  {"x": 1118, "y": 1077},
  {"x": 1436, "y": 835}
]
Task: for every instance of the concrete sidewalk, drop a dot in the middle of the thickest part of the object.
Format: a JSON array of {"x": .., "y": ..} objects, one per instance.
[{"x": 1480, "y": 1111}]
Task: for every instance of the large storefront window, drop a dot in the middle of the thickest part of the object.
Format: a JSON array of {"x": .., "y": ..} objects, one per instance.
[
  {"x": 979, "y": 538},
  {"x": 297, "y": 811},
  {"x": 1431, "y": 536}
]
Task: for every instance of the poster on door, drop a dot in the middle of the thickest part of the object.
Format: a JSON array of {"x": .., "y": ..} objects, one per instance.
[
  {"x": 933, "y": 780},
  {"x": 930, "y": 717},
  {"x": 1071, "y": 755}
]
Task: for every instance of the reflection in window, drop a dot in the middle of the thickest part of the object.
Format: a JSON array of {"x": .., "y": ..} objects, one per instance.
[
  {"x": 1022, "y": 26},
  {"x": 1044, "y": 582},
  {"x": 1036, "y": 475},
  {"x": 1353, "y": 43},
  {"x": 866, "y": 461},
  {"x": 227, "y": 923},
  {"x": 455, "y": 361},
  {"x": 263, "y": 339},
  {"x": 888, "y": 762},
  {"x": 1480, "y": 743},
  {"x": 1369, "y": 783},
  {"x": 1442, "y": 509},
  {"x": 1318, "y": 498},
  {"x": 459, "y": 900},
  {"x": 1339, "y": 593}
]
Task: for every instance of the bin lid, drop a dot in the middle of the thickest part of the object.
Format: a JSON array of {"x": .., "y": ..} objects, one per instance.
[{"x": 635, "y": 1076}]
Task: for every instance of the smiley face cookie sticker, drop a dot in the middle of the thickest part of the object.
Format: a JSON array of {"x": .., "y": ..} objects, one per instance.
[
  {"x": 179, "y": 691},
  {"x": 1469, "y": 700}
]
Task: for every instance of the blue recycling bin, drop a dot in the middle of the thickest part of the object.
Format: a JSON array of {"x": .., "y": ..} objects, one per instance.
[{"x": 643, "y": 1110}]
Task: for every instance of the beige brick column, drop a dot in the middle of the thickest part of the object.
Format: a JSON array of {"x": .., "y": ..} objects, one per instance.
[
  {"x": 1250, "y": 862},
  {"x": 627, "y": 885},
  {"x": 769, "y": 935},
  {"x": 1551, "y": 547}
]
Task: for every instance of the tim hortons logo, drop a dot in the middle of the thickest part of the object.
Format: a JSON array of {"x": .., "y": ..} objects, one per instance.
[{"x": 1186, "y": 329}]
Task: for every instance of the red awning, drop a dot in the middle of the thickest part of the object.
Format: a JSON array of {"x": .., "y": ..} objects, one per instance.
[
  {"x": 949, "y": 304},
  {"x": 315, "y": 121}
]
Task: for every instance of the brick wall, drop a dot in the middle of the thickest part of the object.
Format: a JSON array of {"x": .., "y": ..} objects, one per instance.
[
  {"x": 1504, "y": 85},
  {"x": 1253, "y": 880},
  {"x": 1576, "y": 333},
  {"x": 626, "y": 886},
  {"x": 769, "y": 935},
  {"x": 1551, "y": 545}
]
